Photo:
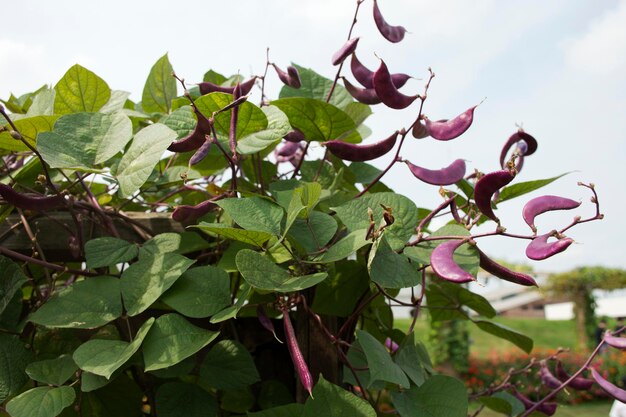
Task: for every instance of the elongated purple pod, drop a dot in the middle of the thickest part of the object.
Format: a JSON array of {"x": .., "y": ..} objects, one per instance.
[
  {"x": 266, "y": 322},
  {"x": 539, "y": 248},
  {"x": 387, "y": 91},
  {"x": 546, "y": 408},
  {"x": 486, "y": 187},
  {"x": 450, "y": 129},
  {"x": 245, "y": 87},
  {"x": 393, "y": 34},
  {"x": 419, "y": 130},
  {"x": 234, "y": 116},
  {"x": 442, "y": 262},
  {"x": 195, "y": 139},
  {"x": 545, "y": 203},
  {"x": 364, "y": 76},
  {"x": 291, "y": 77},
  {"x": 614, "y": 391},
  {"x": 346, "y": 50},
  {"x": 445, "y": 176},
  {"x": 294, "y": 136},
  {"x": 286, "y": 151},
  {"x": 359, "y": 153},
  {"x": 362, "y": 95},
  {"x": 579, "y": 383},
  {"x": 504, "y": 273},
  {"x": 189, "y": 214},
  {"x": 296, "y": 355},
  {"x": 615, "y": 341},
  {"x": 546, "y": 376},
  {"x": 31, "y": 201},
  {"x": 201, "y": 153},
  {"x": 526, "y": 144}
]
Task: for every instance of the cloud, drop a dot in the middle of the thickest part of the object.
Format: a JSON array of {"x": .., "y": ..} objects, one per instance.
[{"x": 601, "y": 49}]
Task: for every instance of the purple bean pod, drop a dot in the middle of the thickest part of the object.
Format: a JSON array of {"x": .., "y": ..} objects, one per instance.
[
  {"x": 346, "y": 50},
  {"x": 442, "y": 262},
  {"x": 291, "y": 77},
  {"x": 393, "y": 34},
  {"x": 539, "y": 248},
  {"x": 614, "y": 391},
  {"x": 615, "y": 341},
  {"x": 527, "y": 145},
  {"x": 487, "y": 186},
  {"x": 359, "y": 153},
  {"x": 419, "y": 131},
  {"x": 207, "y": 87},
  {"x": 31, "y": 201},
  {"x": 266, "y": 322},
  {"x": 445, "y": 176},
  {"x": 195, "y": 139},
  {"x": 504, "y": 273},
  {"x": 387, "y": 91},
  {"x": 294, "y": 136},
  {"x": 362, "y": 95},
  {"x": 289, "y": 152},
  {"x": 545, "y": 203},
  {"x": 546, "y": 408},
  {"x": 189, "y": 214},
  {"x": 296, "y": 355},
  {"x": 547, "y": 378},
  {"x": 232, "y": 131},
  {"x": 579, "y": 383},
  {"x": 364, "y": 76},
  {"x": 450, "y": 129},
  {"x": 201, "y": 153}
]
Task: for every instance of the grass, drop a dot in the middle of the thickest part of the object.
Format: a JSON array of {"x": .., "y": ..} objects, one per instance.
[
  {"x": 595, "y": 409},
  {"x": 546, "y": 334}
]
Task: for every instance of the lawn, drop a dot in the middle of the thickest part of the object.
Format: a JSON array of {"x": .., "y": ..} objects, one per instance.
[
  {"x": 546, "y": 334},
  {"x": 595, "y": 409}
]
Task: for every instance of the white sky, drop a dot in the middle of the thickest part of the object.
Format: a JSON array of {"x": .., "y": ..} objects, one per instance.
[{"x": 557, "y": 67}]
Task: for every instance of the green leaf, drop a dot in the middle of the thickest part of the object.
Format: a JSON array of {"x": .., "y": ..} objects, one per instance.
[
  {"x": 231, "y": 311},
  {"x": 358, "y": 112},
  {"x": 145, "y": 151},
  {"x": 521, "y": 188},
  {"x": 503, "y": 402},
  {"x": 52, "y": 371},
  {"x": 146, "y": 280},
  {"x": 264, "y": 274},
  {"x": 176, "y": 399},
  {"x": 12, "y": 280},
  {"x": 345, "y": 247},
  {"x": 288, "y": 410},
  {"x": 319, "y": 121},
  {"x": 180, "y": 243},
  {"x": 199, "y": 292},
  {"x": 316, "y": 86},
  {"x": 80, "y": 90},
  {"x": 173, "y": 339},
  {"x": 160, "y": 88},
  {"x": 466, "y": 256},
  {"x": 381, "y": 366},
  {"x": 364, "y": 173},
  {"x": 116, "y": 102},
  {"x": 120, "y": 398},
  {"x": 339, "y": 294},
  {"x": 330, "y": 400},
  {"x": 252, "y": 237},
  {"x": 254, "y": 213},
  {"x": 43, "y": 103},
  {"x": 314, "y": 232},
  {"x": 103, "y": 357},
  {"x": 408, "y": 359},
  {"x": 239, "y": 401},
  {"x": 182, "y": 121},
  {"x": 214, "y": 77},
  {"x": 228, "y": 366},
  {"x": 84, "y": 140},
  {"x": 277, "y": 127},
  {"x": 449, "y": 298},
  {"x": 108, "y": 251},
  {"x": 389, "y": 269},
  {"x": 14, "y": 357},
  {"x": 41, "y": 402},
  {"x": 29, "y": 127},
  {"x": 523, "y": 342},
  {"x": 84, "y": 305},
  {"x": 250, "y": 119},
  {"x": 354, "y": 215},
  {"x": 439, "y": 396}
]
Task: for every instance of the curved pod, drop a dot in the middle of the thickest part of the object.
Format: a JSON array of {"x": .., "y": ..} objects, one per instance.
[
  {"x": 442, "y": 262},
  {"x": 504, "y": 273},
  {"x": 207, "y": 87},
  {"x": 445, "y": 176},
  {"x": 362, "y": 95},
  {"x": 539, "y": 248},
  {"x": 392, "y": 33},
  {"x": 364, "y": 76},
  {"x": 579, "y": 383},
  {"x": 612, "y": 390},
  {"x": 545, "y": 203},
  {"x": 450, "y": 129},
  {"x": 526, "y": 144},
  {"x": 196, "y": 138},
  {"x": 31, "y": 201},
  {"x": 486, "y": 187},
  {"x": 387, "y": 91},
  {"x": 348, "y": 48},
  {"x": 359, "y": 153}
]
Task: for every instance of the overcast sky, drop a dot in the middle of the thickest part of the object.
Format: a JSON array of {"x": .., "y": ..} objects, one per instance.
[{"x": 556, "y": 67}]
